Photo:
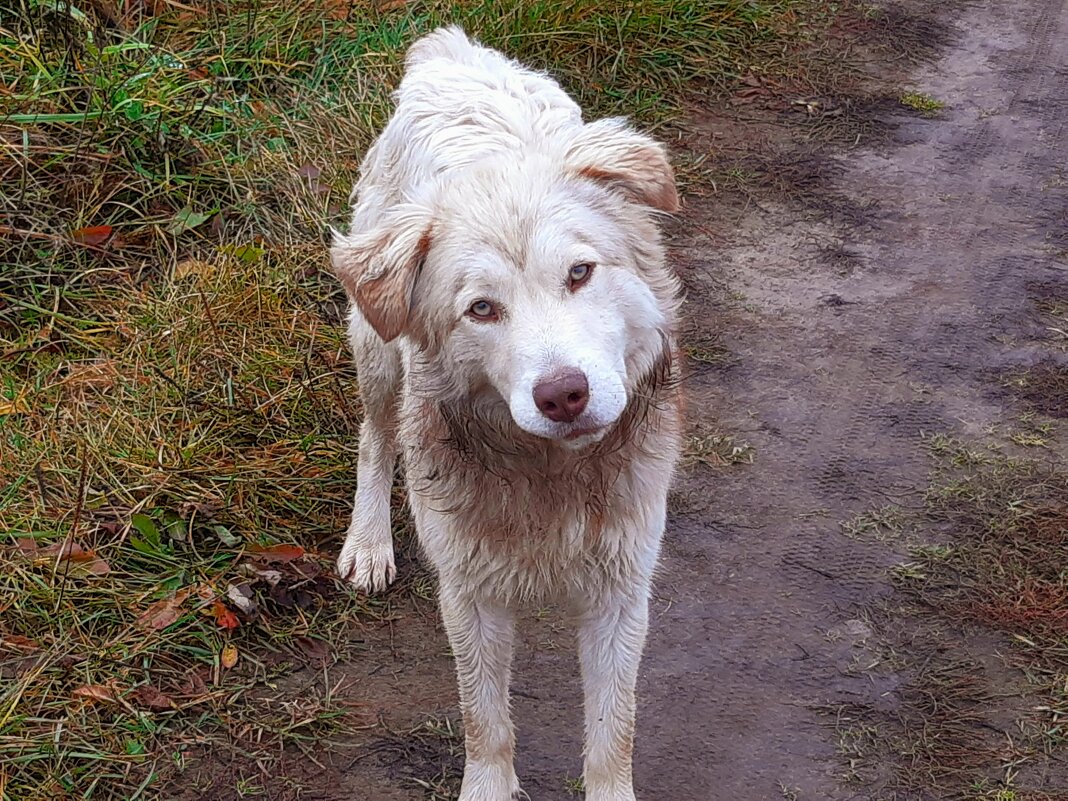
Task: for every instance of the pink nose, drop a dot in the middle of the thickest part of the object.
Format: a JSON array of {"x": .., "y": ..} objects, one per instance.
[{"x": 563, "y": 397}]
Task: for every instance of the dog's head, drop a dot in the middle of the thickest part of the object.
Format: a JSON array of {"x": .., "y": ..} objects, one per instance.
[{"x": 535, "y": 283}]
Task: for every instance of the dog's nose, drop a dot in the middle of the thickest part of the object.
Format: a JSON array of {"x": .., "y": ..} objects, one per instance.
[{"x": 563, "y": 397}]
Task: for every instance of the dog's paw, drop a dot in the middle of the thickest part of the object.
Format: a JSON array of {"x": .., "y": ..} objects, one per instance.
[{"x": 368, "y": 568}]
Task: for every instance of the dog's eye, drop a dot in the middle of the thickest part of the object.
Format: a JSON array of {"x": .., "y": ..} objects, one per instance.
[
  {"x": 482, "y": 310},
  {"x": 579, "y": 274}
]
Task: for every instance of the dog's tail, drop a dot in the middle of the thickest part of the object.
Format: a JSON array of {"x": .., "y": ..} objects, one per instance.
[{"x": 449, "y": 43}]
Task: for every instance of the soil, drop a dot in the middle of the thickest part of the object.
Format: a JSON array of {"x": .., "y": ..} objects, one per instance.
[{"x": 852, "y": 306}]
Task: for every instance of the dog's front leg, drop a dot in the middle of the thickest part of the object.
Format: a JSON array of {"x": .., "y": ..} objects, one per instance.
[
  {"x": 481, "y": 634},
  {"x": 366, "y": 559},
  {"x": 611, "y": 635}
]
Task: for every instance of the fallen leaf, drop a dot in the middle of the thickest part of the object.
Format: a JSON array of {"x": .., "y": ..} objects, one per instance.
[
  {"x": 82, "y": 561},
  {"x": 277, "y": 553},
  {"x": 241, "y": 596},
  {"x": 163, "y": 612},
  {"x": 187, "y": 220},
  {"x": 316, "y": 651},
  {"x": 149, "y": 697},
  {"x": 13, "y": 406},
  {"x": 224, "y": 535},
  {"x": 205, "y": 509},
  {"x": 26, "y": 545},
  {"x": 92, "y": 235},
  {"x": 20, "y": 642},
  {"x": 194, "y": 684},
  {"x": 225, "y": 618},
  {"x": 95, "y": 692},
  {"x": 109, "y": 527},
  {"x": 272, "y": 577},
  {"x": 193, "y": 267},
  {"x": 229, "y": 655},
  {"x": 248, "y": 253},
  {"x": 281, "y": 595}
]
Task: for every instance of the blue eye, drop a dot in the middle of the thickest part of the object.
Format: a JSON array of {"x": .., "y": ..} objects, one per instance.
[
  {"x": 579, "y": 274},
  {"x": 482, "y": 310}
]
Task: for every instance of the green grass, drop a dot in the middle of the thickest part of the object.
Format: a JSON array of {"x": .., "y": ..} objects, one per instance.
[
  {"x": 174, "y": 384},
  {"x": 923, "y": 103}
]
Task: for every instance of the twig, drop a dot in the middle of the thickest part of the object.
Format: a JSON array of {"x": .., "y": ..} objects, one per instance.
[{"x": 68, "y": 542}]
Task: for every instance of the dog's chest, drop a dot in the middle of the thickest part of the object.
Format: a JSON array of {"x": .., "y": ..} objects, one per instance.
[{"x": 526, "y": 536}]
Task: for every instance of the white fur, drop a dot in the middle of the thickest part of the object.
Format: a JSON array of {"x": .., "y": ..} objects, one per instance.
[{"x": 487, "y": 185}]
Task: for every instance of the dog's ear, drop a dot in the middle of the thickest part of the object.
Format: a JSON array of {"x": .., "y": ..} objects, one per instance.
[
  {"x": 379, "y": 267},
  {"x": 610, "y": 151}
]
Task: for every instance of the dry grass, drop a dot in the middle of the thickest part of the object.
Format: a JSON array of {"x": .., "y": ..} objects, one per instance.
[{"x": 177, "y": 417}]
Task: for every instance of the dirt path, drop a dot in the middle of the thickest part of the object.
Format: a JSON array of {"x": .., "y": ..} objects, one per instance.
[
  {"x": 834, "y": 376},
  {"x": 845, "y": 340}
]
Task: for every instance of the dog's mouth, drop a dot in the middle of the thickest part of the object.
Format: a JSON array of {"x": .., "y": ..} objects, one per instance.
[
  {"x": 582, "y": 432},
  {"x": 582, "y": 436}
]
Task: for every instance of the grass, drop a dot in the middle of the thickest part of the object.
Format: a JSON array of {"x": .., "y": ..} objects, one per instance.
[
  {"x": 715, "y": 450},
  {"x": 926, "y": 105},
  {"x": 980, "y": 628},
  {"x": 1009, "y": 518},
  {"x": 177, "y": 414}
]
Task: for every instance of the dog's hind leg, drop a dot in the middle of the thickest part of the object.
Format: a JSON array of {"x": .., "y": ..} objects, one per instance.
[
  {"x": 366, "y": 559},
  {"x": 481, "y": 635}
]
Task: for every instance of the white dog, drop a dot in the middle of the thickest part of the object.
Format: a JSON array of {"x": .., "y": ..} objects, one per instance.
[{"x": 513, "y": 326}]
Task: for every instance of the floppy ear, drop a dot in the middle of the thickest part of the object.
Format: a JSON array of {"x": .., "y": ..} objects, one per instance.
[
  {"x": 611, "y": 152},
  {"x": 379, "y": 267}
]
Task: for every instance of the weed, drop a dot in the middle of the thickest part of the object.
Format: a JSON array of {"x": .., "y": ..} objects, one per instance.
[
  {"x": 716, "y": 450},
  {"x": 884, "y": 523},
  {"x": 926, "y": 105}
]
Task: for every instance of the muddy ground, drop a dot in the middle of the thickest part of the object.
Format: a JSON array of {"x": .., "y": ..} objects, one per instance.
[{"x": 841, "y": 302}]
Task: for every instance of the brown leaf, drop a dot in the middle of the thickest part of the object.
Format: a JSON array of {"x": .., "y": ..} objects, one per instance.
[
  {"x": 27, "y": 545},
  {"x": 277, "y": 553},
  {"x": 163, "y": 612},
  {"x": 110, "y": 527},
  {"x": 224, "y": 617},
  {"x": 92, "y": 235},
  {"x": 228, "y": 658},
  {"x": 198, "y": 268},
  {"x": 83, "y": 561},
  {"x": 148, "y": 697},
  {"x": 194, "y": 683},
  {"x": 20, "y": 642},
  {"x": 96, "y": 692},
  {"x": 316, "y": 651},
  {"x": 205, "y": 509},
  {"x": 242, "y": 597}
]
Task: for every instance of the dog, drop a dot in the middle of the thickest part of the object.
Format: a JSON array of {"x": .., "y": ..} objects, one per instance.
[{"x": 513, "y": 322}]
